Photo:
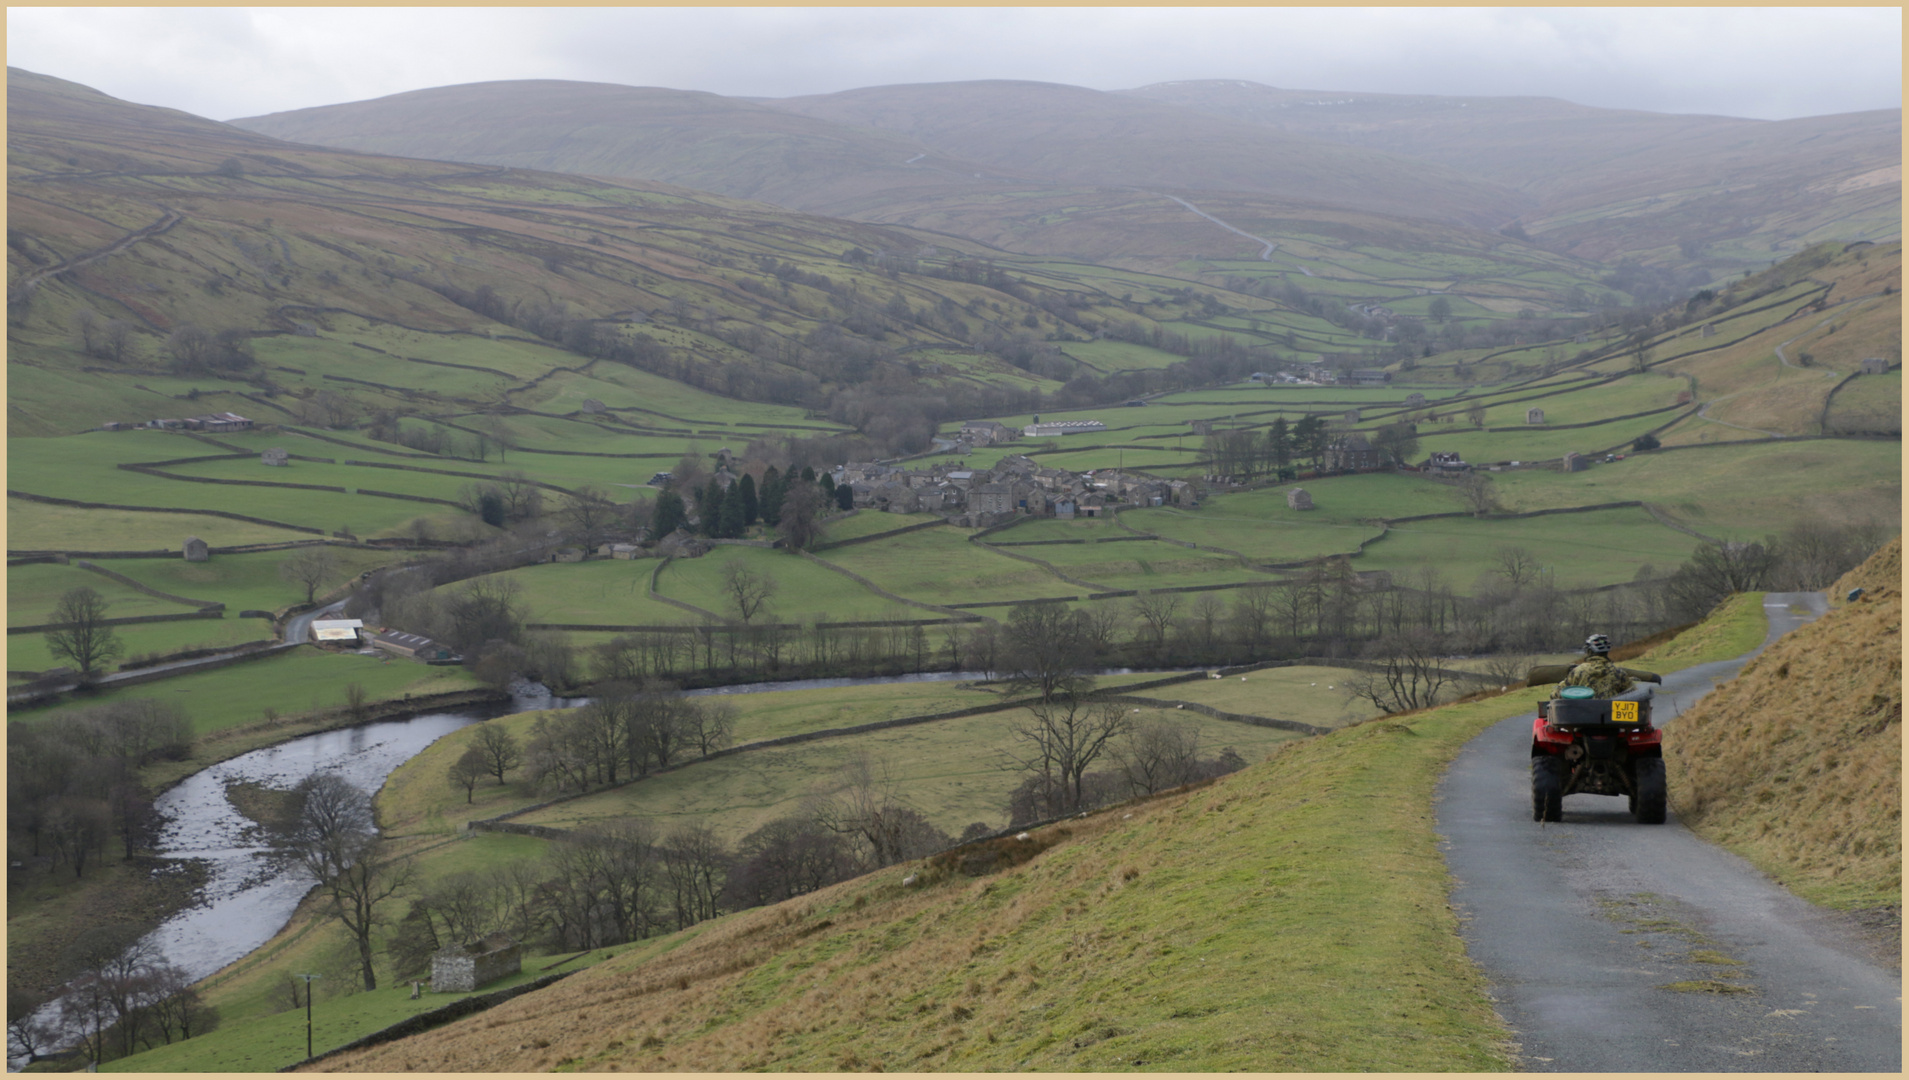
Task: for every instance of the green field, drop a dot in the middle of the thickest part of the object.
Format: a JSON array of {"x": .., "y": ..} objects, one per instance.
[
  {"x": 1580, "y": 550},
  {"x": 804, "y": 592},
  {"x": 294, "y": 681},
  {"x": 34, "y": 526},
  {"x": 940, "y": 566},
  {"x": 950, "y": 769},
  {"x": 28, "y": 652}
]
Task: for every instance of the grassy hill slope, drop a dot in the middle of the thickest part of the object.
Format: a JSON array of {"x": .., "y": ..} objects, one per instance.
[
  {"x": 1797, "y": 763},
  {"x": 1290, "y": 917}
]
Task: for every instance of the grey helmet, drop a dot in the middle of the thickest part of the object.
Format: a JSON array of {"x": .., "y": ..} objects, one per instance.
[{"x": 1597, "y": 645}]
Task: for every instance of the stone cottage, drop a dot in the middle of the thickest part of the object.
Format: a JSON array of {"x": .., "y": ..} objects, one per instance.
[
  {"x": 1298, "y": 499},
  {"x": 277, "y": 455},
  {"x": 1534, "y": 416},
  {"x": 462, "y": 968},
  {"x": 196, "y": 550}
]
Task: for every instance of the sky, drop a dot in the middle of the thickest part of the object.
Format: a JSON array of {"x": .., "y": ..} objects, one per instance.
[{"x": 223, "y": 63}]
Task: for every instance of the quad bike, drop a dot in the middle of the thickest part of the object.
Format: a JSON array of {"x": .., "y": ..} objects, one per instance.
[{"x": 1596, "y": 746}]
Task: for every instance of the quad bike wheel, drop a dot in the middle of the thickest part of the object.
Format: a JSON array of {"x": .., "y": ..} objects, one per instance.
[
  {"x": 1652, "y": 792},
  {"x": 1547, "y": 788}
]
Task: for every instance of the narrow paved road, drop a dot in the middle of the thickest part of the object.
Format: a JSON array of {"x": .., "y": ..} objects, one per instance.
[{"x": 1583, "y": 927}]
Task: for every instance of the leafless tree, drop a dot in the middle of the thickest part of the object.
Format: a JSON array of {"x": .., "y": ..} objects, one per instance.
[
  {"x": 466, "y": 771},
  {"x": 1516, "y": 565},
  {"x": 80, "y": 633},
  {"x": 1061, "y": 738},
  {"x": 1478, "y": 494},
  {"x": 589, "y": 515},
  {"x": 1159, "y": 754},
  {"x": 331, "y": 834},
  {"x": 1254, "y": 609},
  {"x": 311, "y": 567},
  {"x": 748, "y": 590},
  {"x": 695, "y": 867},
  {"x": 1404, "y": 673},
  {"x": 1047, "y": 650},
  {"x": 708, "y": 723},
  {"x": 1156, "y": 611},
  {"x": 499, "y": 749},
  {"x": 867, "y": 808}
]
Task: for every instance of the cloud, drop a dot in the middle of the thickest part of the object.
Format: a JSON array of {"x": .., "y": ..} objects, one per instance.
[{"x": 230, "y": 62}]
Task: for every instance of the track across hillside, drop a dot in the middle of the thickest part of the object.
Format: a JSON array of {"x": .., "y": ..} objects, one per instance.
[{"x": 1617, "y": 947}]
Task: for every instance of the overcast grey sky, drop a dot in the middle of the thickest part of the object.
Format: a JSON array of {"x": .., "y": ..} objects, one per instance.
[{"x": 1769, "y": 63}]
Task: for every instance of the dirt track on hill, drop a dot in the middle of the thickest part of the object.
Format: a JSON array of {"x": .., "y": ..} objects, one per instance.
[{"x": 1617, "y": 947}]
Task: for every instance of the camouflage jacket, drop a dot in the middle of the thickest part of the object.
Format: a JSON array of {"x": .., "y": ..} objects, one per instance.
[{"x": 1597, "y": 672}]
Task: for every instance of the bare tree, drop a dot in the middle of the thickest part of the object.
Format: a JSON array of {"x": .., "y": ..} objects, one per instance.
[
  {"x": 1156, "y": 610},
  {"x": 749, "y": 591},
  {"x": 1047, "y": 650},
  {"x": 331, "y": 834},
  {"x": 311, "y": 567},
  {"x": 467, "y": 770},
  {"x": 499, "y": 749},
  {"x": 1403, "y": 672},
  {"x": 1516, "y": 565},
  {"x": 708, "y": 723},
  {"x": 589, "y": 515},
  {"x": 1159, "y": 754},
  {"x": 1060, "y": 740},
  {"x": 1478, "y": 494},
  {"x": 868, "y": 809},
  {"x": 80, "y": 633},
  {"x": 695, "y": 867}
]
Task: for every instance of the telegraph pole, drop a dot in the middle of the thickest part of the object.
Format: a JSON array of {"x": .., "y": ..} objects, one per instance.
[{"x": 308, "y": 1013}]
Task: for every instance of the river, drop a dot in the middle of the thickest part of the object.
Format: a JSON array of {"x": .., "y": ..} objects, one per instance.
[{"x": 250, "y": 892}]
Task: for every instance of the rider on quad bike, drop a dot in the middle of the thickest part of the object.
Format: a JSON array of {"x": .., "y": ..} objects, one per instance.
[{"x": 1595, "y": 737}]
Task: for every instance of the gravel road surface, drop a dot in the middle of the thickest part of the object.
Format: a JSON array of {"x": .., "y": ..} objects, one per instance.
[{"x": 1617, "y": 947}]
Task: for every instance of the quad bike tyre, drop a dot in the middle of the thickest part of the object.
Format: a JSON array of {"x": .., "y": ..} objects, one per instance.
[
  {"x": 1652, "y": 792},
  {"x": 1547, "y": 789}
]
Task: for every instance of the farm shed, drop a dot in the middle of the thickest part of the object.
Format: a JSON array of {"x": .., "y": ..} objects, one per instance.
[
  {"x": 462, "y": 968},
  {"x": 340, "y": 630},
  {"x": 415, "y": 646}
]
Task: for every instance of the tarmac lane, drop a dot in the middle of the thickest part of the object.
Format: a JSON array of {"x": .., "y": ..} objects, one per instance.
[{"x": 1611, "y": 946}]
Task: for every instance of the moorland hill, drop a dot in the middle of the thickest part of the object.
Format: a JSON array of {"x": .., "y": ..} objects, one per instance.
[{"x": 1612, "y": 183}]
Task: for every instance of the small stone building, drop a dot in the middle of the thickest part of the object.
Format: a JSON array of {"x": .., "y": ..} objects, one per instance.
[
  {"x": 1352, "y": 416},
  {"x": 592, "y": 406},
  {"x": 275, "y": 456},
  {"x": 1576, "y": 462},
  {"x": 1298, "y": 499},
  {"x": 462, "y": 968},
  {"x": 1414, "y": 400},
  {"x": 1875, "y": 365},
  {"x": 196, "y": 550},
  {"x": 1534, "y": 416}
]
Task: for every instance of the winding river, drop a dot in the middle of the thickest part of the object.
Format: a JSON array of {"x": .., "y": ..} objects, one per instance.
[{"x": 250, "y": 893}]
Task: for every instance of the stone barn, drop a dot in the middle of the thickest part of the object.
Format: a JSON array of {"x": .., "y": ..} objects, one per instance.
[
  {"x": 1298, "y": 499},
  {"x": 462, "y": 968},
  {"x": 275, "y": 456},
  {"x": 196, "y": 550},
  {"x": 1576, "y": 462},
  {"x": 1414, "y": 400},
  {"x": 1875, "y": 365},
  {"x": 1534, "y": 416}
]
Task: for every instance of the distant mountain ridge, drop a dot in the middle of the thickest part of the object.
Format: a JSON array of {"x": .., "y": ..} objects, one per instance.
[{"x": 1601, "y": 184}]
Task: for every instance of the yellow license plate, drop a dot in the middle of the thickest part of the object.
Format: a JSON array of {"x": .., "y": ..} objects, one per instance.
[{"x": 1623, "y": 712}]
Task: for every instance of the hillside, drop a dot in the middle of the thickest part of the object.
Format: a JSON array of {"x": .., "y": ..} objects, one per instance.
[
  {"x": 1797, "y": 763},
  {"x": 1290, "y": 917},
  {"x": 1609, "y": 183}
]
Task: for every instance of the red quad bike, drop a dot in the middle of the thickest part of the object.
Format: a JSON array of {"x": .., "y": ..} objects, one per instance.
[{"x": 1596, "y": 746}]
